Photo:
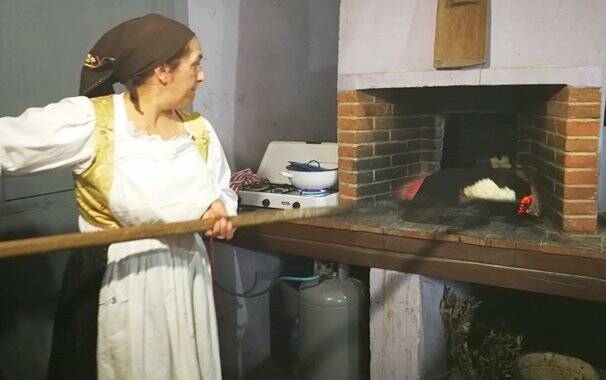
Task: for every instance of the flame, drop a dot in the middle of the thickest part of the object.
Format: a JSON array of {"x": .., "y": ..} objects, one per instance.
[{"x": 525, "y": 203}]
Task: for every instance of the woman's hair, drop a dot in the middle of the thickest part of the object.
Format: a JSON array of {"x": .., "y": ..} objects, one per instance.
[{"x": 134, "y": 82}]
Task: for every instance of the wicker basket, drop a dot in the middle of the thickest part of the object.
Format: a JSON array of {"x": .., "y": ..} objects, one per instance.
[{"x": 550, "y": 366}]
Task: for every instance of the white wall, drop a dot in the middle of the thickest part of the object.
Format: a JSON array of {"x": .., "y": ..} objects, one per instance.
[
  {"x": 271, "y": 68},
  {"x": 387, "y": 36}
]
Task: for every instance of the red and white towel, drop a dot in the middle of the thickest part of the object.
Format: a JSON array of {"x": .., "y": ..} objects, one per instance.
[{"x": 243, "y": 178}]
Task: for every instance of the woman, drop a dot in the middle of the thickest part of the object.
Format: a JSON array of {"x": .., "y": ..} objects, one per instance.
[{"x": 136, "y": 159}]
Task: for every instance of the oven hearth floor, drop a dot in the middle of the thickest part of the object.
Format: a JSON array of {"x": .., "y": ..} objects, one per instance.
[
  {"x": 527, "y": 255},
  {"x": 468, "y": 225}
]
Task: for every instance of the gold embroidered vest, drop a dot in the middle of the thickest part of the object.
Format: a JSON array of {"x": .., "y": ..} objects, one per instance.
[{"x": 93, "y": 185}]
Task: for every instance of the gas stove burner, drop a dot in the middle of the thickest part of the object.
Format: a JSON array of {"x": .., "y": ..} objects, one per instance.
[
  {"x": 258, "y": 187},
  {"x": 282, "y": 189},
  {"x": 312, "y": 191}
]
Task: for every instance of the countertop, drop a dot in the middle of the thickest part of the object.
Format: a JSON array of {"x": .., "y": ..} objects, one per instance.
[{"x": 527, "y": 254}]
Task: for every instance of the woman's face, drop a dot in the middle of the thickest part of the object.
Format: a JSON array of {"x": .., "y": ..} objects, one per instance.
[{"x": 186, "y": 77}]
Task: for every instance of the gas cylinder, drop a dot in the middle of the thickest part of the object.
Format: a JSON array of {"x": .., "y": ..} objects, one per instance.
[{"x": 333, "y": 325}]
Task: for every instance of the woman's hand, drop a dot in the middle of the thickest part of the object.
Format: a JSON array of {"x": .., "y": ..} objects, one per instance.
[{"x": 223, "y": 229}]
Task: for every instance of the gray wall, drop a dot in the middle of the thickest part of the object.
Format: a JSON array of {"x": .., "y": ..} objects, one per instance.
[
  {"x": 42, "y": 44},
  {"x": 271, "y": 71},
  {"x": 271, "y": 74},
  {"x": 271, "y": 68}
]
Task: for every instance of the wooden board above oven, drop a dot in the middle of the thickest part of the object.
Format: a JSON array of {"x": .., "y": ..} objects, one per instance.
[{"x": 461, "y": 33}]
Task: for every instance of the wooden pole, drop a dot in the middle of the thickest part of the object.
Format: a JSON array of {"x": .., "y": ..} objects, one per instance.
[{"x": 25, "y": 247}]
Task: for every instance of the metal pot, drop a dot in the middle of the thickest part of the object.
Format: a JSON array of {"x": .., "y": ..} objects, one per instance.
[{"x": 312, "y": 180}]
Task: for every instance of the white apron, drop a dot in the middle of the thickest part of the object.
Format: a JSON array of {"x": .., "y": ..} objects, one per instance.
[
  {"x": 156, "y": 314},
  {"x": 156, "y": 309}
]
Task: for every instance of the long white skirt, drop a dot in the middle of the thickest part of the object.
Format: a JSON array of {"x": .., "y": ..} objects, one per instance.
[{"x": 156, "y": 312}]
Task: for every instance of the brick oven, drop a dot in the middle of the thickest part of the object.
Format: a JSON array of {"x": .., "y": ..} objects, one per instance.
[
  {"x": 388, "y": 138},
  {"x": 536, "y": 98}
]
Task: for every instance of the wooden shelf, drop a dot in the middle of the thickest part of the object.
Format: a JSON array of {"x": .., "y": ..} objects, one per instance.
[{"x": 578, "y": 272}]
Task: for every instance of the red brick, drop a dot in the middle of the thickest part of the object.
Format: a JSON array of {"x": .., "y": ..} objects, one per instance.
[
  {"x": 579, "y": 208},
  {"x": 351, "y": 137},
  {"x": 552, "y": 172},
  {"x": 357, "y": 123},
  {"x": 543, "y": 152},
  {"x": 573, "y": 144},
  {"x": 355, "y": 151},
  {"x": 390, "y": 148},
  {"x": 509, "y": 244},
  {"x": 355, "y": 177},
  {"x": 354, "y": 97},
  {"x": 474, "y": 240},
  {"x": 579, "y": 94},
  {"x": 581, "y": 145},
  {"x": 405, "y": 134},
  {"x": 414, "y": 169},
  {"x": 540, "y": 135},
  {"x": 545, "y": 183},
  {"x": 404, "y": 122},
  {"x": 571, "y": 160},
  {"x": 550, "y": 124},
  {"x": 549, "y": 201},
  {"x": 584, "y": 111},
  {"x": 363, "y": 163},
  {"x": 406, "y": 158},
  {"x": 588, "y": 224},
  {"x": 578, "y": 128},
  {"x": 347, "y": 201},
  {"x": 574, "y": 110},
  {"x": 363, "y": 190},
  {"x": 584, "y": 94},
  {"x": 390, "y": 173},
  {"x": 364, "y": 109},
  {"x": 575, "y": 192},
  {"x": 561, "y": 94},
  {"x": 347, "y": 164},
  {"x": 557, "y": 109},
  {"x": 381, "y": 96},
  {"x": 580, "y": 177}
]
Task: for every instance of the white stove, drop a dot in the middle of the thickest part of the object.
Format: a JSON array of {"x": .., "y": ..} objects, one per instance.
[{"x": 279, "y": 193}]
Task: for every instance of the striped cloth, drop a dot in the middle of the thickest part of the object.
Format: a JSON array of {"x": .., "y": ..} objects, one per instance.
[{"x": 244, "y": 178}]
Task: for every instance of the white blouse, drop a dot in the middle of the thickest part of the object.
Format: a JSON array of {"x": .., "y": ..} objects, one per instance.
[{"x": 60, "y": 135}]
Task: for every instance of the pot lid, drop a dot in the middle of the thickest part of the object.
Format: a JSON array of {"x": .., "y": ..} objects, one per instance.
[
  {"x": 311, "y": 166},
  {"x": 278, "y": 154}
]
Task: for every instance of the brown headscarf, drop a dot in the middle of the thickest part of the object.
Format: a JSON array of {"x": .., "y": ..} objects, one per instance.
[{"x": 129, "y": 49}]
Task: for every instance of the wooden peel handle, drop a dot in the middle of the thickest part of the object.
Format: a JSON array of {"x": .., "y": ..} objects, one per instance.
[{"x": 24, "y": 247}]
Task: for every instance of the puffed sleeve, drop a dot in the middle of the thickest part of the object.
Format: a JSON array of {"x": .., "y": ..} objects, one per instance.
[
  {"x": 57, "y": 136},
  {"x": 219, "y": 168}
]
